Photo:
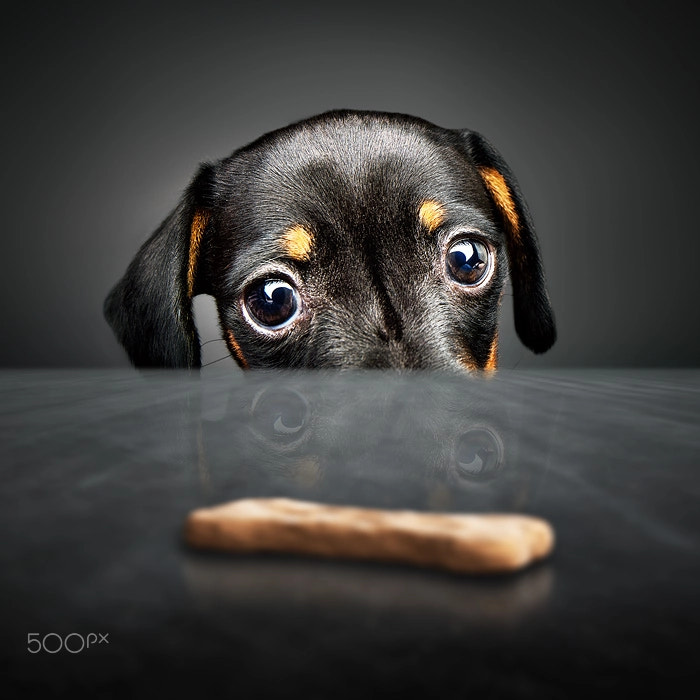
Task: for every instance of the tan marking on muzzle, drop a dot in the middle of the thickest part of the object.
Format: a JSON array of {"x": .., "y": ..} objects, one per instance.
[
  {"x": 467, "y": 361},
  {"x": 492, "y": 362},
  {"x": 235, "y": 349}
]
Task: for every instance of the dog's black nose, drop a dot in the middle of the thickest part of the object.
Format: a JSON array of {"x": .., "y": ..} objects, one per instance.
[{"x": 389, "y": 353}]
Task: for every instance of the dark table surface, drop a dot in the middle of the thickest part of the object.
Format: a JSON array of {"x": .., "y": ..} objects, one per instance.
[{"x": 100, "y": 468}]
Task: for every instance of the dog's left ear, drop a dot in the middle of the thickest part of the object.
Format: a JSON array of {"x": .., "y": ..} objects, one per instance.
[
  {"x": 534, "y": 319},
  {"x": 150, "y": 308}
]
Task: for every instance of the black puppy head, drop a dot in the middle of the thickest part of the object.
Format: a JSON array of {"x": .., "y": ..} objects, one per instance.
[{"x": 352, "y": 239}]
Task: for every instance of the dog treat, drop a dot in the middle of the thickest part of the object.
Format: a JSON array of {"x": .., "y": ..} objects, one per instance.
[{"x": 472, "y": 544}]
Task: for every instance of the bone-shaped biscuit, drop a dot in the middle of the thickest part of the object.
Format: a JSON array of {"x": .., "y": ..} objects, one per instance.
[{"x": 462, "y": 543}]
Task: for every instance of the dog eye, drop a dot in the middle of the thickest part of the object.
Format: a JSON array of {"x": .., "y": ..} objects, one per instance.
[
  {"x": 468, "y": 261},
  {"x": 272, "y": 303}
]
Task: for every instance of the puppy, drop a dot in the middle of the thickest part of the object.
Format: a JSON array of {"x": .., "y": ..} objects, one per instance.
[{"x": 348, "y": 240}]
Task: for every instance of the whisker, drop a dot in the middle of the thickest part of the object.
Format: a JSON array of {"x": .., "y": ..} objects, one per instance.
[{"x": 225, "y": 357}]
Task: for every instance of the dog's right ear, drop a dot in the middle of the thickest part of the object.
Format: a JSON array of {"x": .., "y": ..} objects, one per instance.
[{"x": 150, "y": 309}]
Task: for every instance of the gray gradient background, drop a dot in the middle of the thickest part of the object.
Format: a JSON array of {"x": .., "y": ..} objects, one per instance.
[{"x": 107, "y": 112}]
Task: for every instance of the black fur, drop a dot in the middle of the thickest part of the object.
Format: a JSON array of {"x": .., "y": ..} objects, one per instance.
[{"x": 374, "y": 291}]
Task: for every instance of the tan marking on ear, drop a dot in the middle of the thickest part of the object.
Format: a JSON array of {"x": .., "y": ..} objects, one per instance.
[
  {"x": 431, "y": 214},
  {"x": 235, "y": 350},
  {"x": 492, "y": 362},
  {"x": 298, "y": 242},
  {"x": 498, "y": 187},
  {"x": 199, "y": 223}
]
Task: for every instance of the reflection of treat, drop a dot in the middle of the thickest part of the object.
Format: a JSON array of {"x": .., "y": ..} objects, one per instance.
[{"x": 462, "y": 543}]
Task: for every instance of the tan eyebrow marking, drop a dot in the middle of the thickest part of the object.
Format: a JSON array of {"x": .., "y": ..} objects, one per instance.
[
  {"x": 498, "y": 187},
  {"x": 298, "y": 241},
  {"x": 199, "y": 223},
  {"x": 431, "y": 214}
]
